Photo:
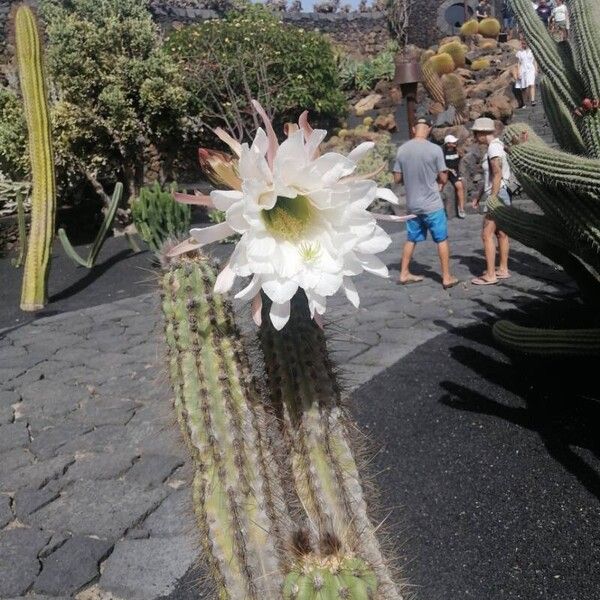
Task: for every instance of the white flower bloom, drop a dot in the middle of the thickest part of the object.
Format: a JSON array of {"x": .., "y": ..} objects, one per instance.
[{"x": 303, "y": 222}]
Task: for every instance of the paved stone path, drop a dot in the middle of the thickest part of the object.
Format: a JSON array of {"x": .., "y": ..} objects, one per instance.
[{"x": 94, "y": 494}]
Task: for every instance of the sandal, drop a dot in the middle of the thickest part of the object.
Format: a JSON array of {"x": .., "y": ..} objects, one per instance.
[
  {"x": 447, "y": 286},
  {"x": 500, "y": 276},
  {"x": 482, "y": 281}
]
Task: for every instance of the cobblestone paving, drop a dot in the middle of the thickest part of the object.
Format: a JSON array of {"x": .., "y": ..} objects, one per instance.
[{"x": 94, "y": 495}]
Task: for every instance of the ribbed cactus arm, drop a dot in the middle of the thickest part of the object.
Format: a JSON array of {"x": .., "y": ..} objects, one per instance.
[
  {"x": 305, "y": 389},
  {"x": 549, "y": 58},
  {"x": 585, "y": 27},
  {"x": 236, "y": 493},
  {"x": 561, "y": 119},
  {"x": 548, "y": 342},
  {"x": 43, "y": 195}
]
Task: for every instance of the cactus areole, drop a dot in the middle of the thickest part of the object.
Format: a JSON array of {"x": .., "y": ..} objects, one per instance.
[{"x": 43, "y": 195}]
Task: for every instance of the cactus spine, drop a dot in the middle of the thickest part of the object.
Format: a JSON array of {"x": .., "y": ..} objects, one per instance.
[
  {"x": 307, "y": 396},
  {"x": 236, "y": 493},
  {"x": 489, "y": 28},
  {"x": 43, "y": 194}
]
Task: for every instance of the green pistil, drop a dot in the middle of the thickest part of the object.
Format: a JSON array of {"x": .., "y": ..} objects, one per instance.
[{"x": 289, "y": 218}]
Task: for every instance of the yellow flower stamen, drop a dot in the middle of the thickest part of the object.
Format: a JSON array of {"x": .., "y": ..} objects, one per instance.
[{"x": 290, "y": 218}]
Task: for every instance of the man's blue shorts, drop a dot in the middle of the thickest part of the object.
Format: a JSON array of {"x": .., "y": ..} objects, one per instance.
[{"x": 436, "y": 222}]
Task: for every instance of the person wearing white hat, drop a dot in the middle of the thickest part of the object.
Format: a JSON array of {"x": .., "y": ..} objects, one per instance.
[
  {"x": 496, "y": 174},
  {"x": 452, "y": 158}
]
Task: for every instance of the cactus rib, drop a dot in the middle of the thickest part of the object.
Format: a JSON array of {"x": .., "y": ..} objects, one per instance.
[
  {"x": 236, "y": 490},
  {"x": 43, "y": 195}
]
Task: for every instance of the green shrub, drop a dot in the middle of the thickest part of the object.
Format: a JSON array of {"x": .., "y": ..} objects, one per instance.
[
  {"x": 253, "y": 54},
  {"x": 158, "y": 217},
  {"x": 364, "y": 75},
  {"x": 14, "y": 161}
]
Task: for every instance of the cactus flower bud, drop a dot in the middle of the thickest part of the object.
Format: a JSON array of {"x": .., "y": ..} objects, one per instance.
[{"x": 220, "y": 168}]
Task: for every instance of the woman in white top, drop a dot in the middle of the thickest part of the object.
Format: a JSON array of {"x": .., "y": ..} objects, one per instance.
[
  {"x": 526, "y": 73},
  {"x": 560, "y": 19}
]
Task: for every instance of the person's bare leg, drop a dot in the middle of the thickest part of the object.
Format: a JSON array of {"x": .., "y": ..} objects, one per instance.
[
  {"x": 532, "y": 94},
  {"x": 503, "y": 249},
  {"x": 444, "y": 254},
  {"x": 407, "y": 253},
  {"x": 488, "y": 236},
  {"x": 460, "y": 196}
]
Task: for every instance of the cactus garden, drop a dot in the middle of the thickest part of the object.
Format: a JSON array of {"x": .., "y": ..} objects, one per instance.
[{"x": 215, "y": 383}]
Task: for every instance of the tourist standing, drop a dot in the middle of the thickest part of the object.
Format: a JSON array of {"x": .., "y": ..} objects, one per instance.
[
  {"x": 508, "y": 18},
  {"x": 452, "y": 158},
  {"x": 560, "y": 19},
  {"x": 544, "y": 12},
  {"x": 482, "y": 11},
  {"x": 527, "y": 70},
  {"x": 420, "y": 166},
  {"x": 496, "y": 174}
]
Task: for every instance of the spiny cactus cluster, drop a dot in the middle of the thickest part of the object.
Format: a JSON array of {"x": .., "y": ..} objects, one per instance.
[
  {"x": 564, "y": 183},
  {"x": 277, "y": 492},
  {"x": 157, "y": 217},
  {"x": 43, "y": 194}
]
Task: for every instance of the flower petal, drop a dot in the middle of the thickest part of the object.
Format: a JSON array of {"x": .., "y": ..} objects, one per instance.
[
  {"x": 215, "y": 233},
  {"x": 224, "y": 280},
  {"x": 257, "y": 310},
  {"x": 372, "y": 264},
  {"x": 273, "y": 143},
  {"x": 387, "y": 194},
  {"x": 393, "y": 218},
  {"x": 188, "y": 245},
  {"x": 198, "y": 199},
  {"x": 360, "y": 151},
  {"x": 280, "y": 290},
  {"x": 280, "y": 314},
  {"x": 351, "y": 293},
  {"x": 223, "y": 199},
  {"x": 250, "y": 290},
  {"x": 235, "y": 146}
]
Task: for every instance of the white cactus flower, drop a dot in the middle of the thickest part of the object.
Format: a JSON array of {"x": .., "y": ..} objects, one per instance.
[{"x": 303, "y": 222}]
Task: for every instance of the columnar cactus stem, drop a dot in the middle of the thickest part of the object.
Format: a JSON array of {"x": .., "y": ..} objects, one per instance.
[
  {"x": 433, "y": 83},
  {"x": 237, "y": 495},
  {"x": 305, "y": 391},
  {"x": 548, "y": 342},
  {"x": 43, "y": 195}
]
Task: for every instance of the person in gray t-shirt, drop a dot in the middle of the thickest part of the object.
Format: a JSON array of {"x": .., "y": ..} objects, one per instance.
[{"x": 420, "y": 165}]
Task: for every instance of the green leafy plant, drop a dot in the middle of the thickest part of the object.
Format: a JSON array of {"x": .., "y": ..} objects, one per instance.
[
  {"x": 222, "y": 74},
  {"x": 364, "y": 75},
  {"x": 117, "y": 92},
  {"x": 109, "y": 216},
  {"x": 157, "y": 217}
]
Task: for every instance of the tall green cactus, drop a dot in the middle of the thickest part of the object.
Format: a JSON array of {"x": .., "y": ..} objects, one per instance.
[
  {"x": 43, "y": 194},
  {"x": 565, "y": 183},
  {"x": 238, "y": 499},
  {"x": 305, "y": 393}
]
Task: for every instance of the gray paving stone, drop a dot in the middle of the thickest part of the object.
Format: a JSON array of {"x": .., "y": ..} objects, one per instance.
[
  {"x": 152, "y": 470},
  {"x": 146, "y": 569},
  {"x": 13, "y": 435},
  {"x": 99, "y": 466},
  {"x": 70, "y": 567},
  {"x": 14, "y": 459},
  {"x": 7, "y": 414},
  {"x": 19, "y": 564},
  {"x": 107, "y": 438},
  {"x": 6, "y": 514},
  {"x": 102, "y": 508},
  {"x": 38, "y": 597},
  {"x": 50, "y": 399},
  {"x": 47, "y": 442},
  {"x": 35, "y": 475},
  {"x": 28, "y": 501},
  {"x": 9, "y": 398},
  {"x": 173, "y": 517}
]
